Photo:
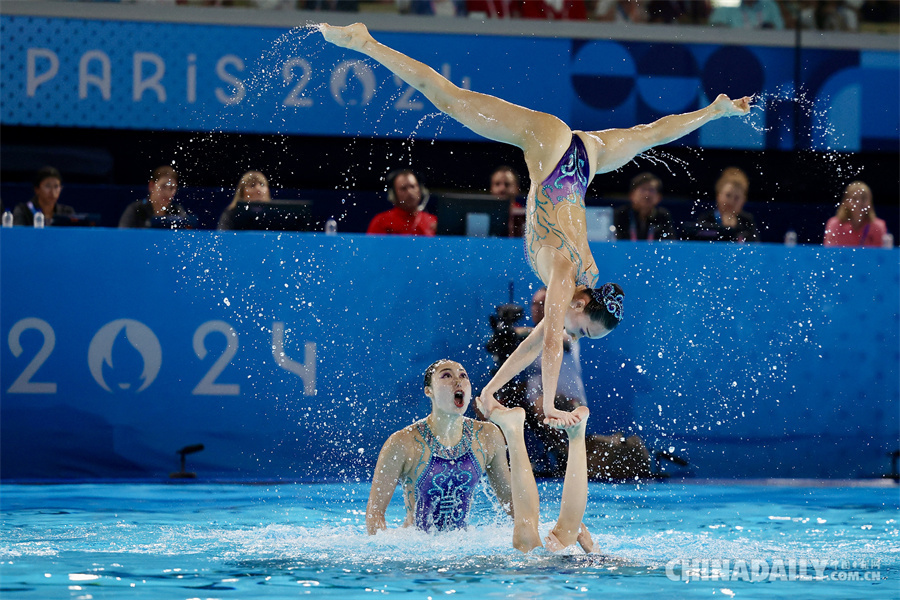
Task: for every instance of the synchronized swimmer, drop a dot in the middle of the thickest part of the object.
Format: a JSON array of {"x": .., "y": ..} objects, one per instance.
[
  {"x": 436, "y": 467},
  {"x": 439, "y": 460},
  {"x": 561, "y": 164}
]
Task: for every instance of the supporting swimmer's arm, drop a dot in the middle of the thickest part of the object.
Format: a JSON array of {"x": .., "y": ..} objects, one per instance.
[
  {"x": 387, "y": 473},
  {"x": 616, "y": 147},
  {"x": 559, "y": 296},
  {"x": 486, "y": 115}
]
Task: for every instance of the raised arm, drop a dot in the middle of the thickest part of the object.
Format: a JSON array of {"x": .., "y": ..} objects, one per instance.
[
  {"x": 486, "y": 115},
  {"x": 518, "y": 361},
  {"x": 384, "y": 481},
  {"x": 559, "y": 295},
  {"x": 614, "y": 148}
]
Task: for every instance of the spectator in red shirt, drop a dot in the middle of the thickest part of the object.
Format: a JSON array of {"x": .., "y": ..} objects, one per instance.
[{"x": 408, "y": 216}]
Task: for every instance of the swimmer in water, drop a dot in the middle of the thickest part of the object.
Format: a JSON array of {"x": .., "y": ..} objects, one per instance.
[
  {"x": 439, "y": 460},
  {"x": 561, "y": 164}
]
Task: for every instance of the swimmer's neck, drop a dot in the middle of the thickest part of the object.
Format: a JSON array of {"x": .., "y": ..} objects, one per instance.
[{"x": 447, "y": 428}]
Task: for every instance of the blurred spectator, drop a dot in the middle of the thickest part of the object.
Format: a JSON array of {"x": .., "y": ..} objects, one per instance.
[
  {"x": 643, "y": 219},
  {"x": 549, "y": 10},
  {"x": 619, "y": 11},
  {"x": 855, "y": 223},
  {"x": 842, "y": 15},
  {"x": 493, "y": 9},
  {"x": 506, "y": 186},
  {"x": 440, "y": 8},
  {"x": 749, "y": 14},
  {"x": 338, "y": 5},
  {"x": 728, "y": 222},
  {"x": 253, "y": 187},
  {"x": 408, "y": 217},
  {"x": 678, "y": 11},
  {"x": 47, "y": 188},
  {"x": 159, "y": 207}
]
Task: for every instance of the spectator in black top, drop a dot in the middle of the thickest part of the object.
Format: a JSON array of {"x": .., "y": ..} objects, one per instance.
[
  {"x": 643, "y": 218},
  {"x": 253, "y": 187},
  {"x": 159, "y": 203},
  {"x": 728, "y": 222},
  {"x": 47, "y": 188}
]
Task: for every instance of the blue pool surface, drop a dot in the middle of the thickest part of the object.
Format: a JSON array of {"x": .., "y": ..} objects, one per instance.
[{"x": 673, "y": 540}]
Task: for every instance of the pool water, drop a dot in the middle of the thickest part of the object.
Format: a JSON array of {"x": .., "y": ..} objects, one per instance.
[{"x": 675, "y": 540}]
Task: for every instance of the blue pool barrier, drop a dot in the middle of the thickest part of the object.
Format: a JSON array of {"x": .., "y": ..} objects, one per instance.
[{"x": 293, "y": 356}]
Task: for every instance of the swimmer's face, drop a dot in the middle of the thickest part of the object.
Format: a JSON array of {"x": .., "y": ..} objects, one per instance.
[
  {"x": 407, "y": 192},
  {"x": 645, "y": 197},
  {"x": 503, "y": 185},
  {"x": 450, "y": 389},
  {"x": 579, "y": 324}
]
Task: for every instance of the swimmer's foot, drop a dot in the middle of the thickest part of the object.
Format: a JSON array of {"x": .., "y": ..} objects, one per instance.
[
  {"x": 352, "y": 36},
  {"x": 578, "y": 429},
  {"x": 560, "y": 419},
  {"x": 552, "y": 543},
  {"x": 585, "y": 540},
  {"x": 511, "y": 421}
]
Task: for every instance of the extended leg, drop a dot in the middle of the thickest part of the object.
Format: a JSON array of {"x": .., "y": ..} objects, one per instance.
[
  {"x": 526, "y": 503},
  {"x": 574, "y": 496},
  {"x": 486, "y": 115}
]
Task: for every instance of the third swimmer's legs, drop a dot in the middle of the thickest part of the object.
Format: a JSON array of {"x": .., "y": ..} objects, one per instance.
[
  {"x": 526, "y": 504},
  {"x": 574, "y": 496}
]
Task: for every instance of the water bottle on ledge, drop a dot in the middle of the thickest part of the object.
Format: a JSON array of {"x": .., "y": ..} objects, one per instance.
[
  {"x": 330, "y": 227},
  {"x": 790, "y": 238},
  {"x": 7, "y": 219},
  {"x": 38, "y": 220}
]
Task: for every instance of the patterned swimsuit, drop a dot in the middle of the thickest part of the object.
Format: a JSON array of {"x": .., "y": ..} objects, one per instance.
[
  {"x": 566, "y": 184},
  {"x": 444, "y": 489}
]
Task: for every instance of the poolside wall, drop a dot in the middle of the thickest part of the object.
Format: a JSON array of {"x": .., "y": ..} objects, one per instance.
[{"x": 121, "y": 347}]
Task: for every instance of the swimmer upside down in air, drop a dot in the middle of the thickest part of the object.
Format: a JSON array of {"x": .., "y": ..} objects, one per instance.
[{"x": 561, "y": 164}]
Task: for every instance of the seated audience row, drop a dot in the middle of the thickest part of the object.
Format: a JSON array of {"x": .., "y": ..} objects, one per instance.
[
  {"x": 828, "y": 15},
  {"x": 642, "y": 219}
]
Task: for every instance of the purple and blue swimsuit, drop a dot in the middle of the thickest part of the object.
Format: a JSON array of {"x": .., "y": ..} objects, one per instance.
[
  {"x": 445, "y": 487},
  {"x": 566, "y": 184}
]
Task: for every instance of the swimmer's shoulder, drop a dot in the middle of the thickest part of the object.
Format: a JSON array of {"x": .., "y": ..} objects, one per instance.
[
  {"x": 486, "y": 431},
  {"x": 407, "y": 438}
]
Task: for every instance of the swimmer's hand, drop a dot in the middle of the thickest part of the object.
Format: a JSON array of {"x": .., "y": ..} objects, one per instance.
[
  {"x": 726, "y": 107},
  {"x": 353, "y": 36},
  {"x": 375, "y": 523},
  {"x": 486, "y": 403}
]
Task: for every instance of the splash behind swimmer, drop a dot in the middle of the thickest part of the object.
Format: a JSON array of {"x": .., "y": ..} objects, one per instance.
[{"x": 561, "y": 164}]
